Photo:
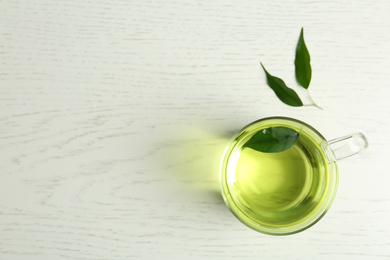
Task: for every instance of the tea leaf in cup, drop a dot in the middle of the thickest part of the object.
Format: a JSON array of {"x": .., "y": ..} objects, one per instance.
[
  {"x": 273, "y": 139},
  {"x": 284, "y": 93},
  {"x": 302, "y": 63}
]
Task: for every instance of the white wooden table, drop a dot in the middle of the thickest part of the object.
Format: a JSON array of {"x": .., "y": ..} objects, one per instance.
[{"x": 115, "y": 114}]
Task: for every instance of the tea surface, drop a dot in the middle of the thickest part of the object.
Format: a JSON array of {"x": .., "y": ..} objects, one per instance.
[{"x": 281, "y": 189}]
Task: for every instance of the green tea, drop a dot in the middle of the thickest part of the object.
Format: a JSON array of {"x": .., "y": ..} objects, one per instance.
[
  {"x": 279, "y": 175},
  {"x": 280, "y": 189}
]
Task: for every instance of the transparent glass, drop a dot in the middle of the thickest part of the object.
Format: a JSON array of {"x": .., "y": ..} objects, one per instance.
[{"x": 287, "y": 192}]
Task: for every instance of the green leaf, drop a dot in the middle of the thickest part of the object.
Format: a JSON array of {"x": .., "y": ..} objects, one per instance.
[
  {"x": 302, "y": 63},
  {"x": 273, "y": 139},
  {"x": 284, "y": 93}
]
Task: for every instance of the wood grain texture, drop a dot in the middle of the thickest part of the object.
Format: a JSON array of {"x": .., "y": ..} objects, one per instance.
[{"x": 115, "y": 114}]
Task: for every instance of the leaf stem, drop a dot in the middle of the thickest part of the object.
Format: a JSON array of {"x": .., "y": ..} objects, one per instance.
[{"x": 313, "y": 103}]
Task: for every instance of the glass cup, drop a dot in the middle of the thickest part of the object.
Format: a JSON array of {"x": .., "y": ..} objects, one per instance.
[{"x": 287, "y": 192}]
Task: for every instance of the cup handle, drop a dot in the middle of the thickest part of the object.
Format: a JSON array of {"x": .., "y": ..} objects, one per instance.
[{"x": 349, "y": 145}]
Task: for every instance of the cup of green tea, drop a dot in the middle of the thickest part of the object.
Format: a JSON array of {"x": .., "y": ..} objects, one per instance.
[{"x": 279, "y": 175}]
